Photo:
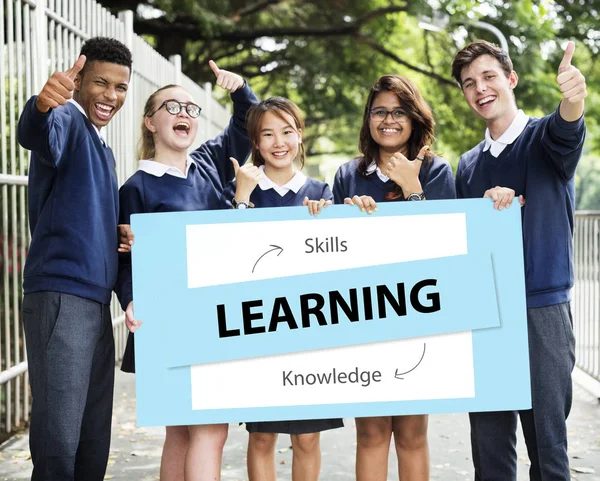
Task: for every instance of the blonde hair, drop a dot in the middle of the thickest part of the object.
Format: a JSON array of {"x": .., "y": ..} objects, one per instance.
[{"x": 146, "y": 147}]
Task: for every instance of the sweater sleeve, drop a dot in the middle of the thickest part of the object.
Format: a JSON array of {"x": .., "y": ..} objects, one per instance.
[
  {"x": 326, "y": 194},
  {"x": 233, "y": 141},
  {"x": 131, "y": 201},
  {"x": 46, "y": 134},
  {"x": 440, "y": 181},
  {"x": 340, "y": 189},
  {"x": 460, "y": 189},
  {"x": 563, "y": 142}
]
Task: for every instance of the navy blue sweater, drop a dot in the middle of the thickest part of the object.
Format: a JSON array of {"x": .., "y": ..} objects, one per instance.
[
  {"x": 73, "y": 204},
  {"x": 540, "y": 165},
  {"x": 435, "y": 177},
  {"x": 313, "y": 189},
  {"x": 209, "y": 172}
]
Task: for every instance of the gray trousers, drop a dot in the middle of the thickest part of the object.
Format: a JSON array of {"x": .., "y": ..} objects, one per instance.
[
  {"x": 493, "y": 434},
  {"x": 70, "y": 352}
]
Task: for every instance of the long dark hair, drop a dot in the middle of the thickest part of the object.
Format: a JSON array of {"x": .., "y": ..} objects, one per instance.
[{"x": 413, "y": 103}]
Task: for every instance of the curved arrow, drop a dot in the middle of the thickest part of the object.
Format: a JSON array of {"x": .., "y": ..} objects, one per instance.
[
  {"x": 398, "y": 374},
  {"x": 270, "y": 250}
]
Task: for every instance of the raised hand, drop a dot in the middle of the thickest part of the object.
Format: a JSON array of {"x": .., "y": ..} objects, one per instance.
[
  {"x": 228, "y": 80},
  {"x": 59, "y": 87},
  {"x": 405, "y": 172},
  {"x": 247, "y": 178},
  {"x": 572, "y": 86}
]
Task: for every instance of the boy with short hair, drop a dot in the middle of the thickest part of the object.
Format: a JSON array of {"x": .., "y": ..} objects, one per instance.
[
  {"x": 535, "y": 159},
  {"x": 72, "y": 262}
]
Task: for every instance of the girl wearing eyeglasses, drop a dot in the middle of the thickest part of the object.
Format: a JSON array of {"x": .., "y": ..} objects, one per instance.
[
  {"x": 170, "y": 180},
  {"x": 395, "y": 164}
]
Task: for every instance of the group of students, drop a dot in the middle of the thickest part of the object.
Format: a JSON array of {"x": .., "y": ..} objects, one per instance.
[{"x": 72, "y": 267}]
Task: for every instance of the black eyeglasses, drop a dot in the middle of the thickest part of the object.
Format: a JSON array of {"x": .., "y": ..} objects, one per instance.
[
  {"x": 174, "y": 107},
  {"x": 398, "y": 115}
]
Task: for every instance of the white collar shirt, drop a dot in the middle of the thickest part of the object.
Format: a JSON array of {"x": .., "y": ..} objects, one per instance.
[
  {"x": 158, "y": 169},
  {"x": 374, "y": 168},
  {"x": 508, "y": 137},
  {"x": 294, "y": 184}
]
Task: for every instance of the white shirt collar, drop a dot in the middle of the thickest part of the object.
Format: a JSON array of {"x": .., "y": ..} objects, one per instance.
[
  {"x": 294, "y": 184},
  {"x": 158, "y": 169},
  {"x": 508, "y": 137},
  {"x": 374, "y": 168},
  {"x": 99, "y": 131}
]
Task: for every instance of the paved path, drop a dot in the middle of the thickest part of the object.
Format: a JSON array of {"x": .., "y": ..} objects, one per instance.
[{"x": 135, "y": 452}]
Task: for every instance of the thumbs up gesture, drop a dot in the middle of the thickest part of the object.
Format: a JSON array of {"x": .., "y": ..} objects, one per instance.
[
  {"x": 228, "y": 80},
  {"x": 405, "y": 172},
  {"x": 247, "y": 178},
  {"x": 59, "y": 88},
  {"x": 572, "y": 85}
]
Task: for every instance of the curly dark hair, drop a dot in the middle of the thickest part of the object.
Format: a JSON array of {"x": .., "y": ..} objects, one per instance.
[{"x": 105, "y": 49}]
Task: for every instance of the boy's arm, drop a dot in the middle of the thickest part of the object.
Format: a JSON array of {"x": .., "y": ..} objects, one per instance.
[
  {"x": 44, "y": 124},
  {"x": 564, "y": 134}
]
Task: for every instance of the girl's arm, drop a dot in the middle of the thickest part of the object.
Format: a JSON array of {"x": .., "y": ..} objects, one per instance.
[{"x": 234, "y": 140}]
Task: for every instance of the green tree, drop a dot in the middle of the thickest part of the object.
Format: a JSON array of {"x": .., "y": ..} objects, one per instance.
[{"x": 325, "y": 55}]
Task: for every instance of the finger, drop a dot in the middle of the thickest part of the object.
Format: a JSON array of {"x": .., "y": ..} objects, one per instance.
[
  {"x": 237, "y": 84},
  {"x": 320, "y": 206},
  {"x": 370, "y": 204},
  {"x": 60, "y": 86},
  {"x": 76, "y": 68},
  {"x": 522, "y": 200},
  {"x": 313, "y": 207},
  {"x": 328, "y": 203},
  {"x": 565, "y": 63},
  {"x": 358, "y": 201},
  {"x": 305, "y": 202},
  {"x": 348, "y": 200},
  {"x": 236, "y": 165},
  {"x": 422, "y": 152},
  {"x": 213, "y": 66},
  {"x": 575, "y": 92},
  {"x": 571, "y": 82}
]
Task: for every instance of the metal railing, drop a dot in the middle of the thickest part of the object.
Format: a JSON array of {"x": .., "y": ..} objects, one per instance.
[
  {"x": 586, "y": 292},
  {"x": 37, "y": 38}
]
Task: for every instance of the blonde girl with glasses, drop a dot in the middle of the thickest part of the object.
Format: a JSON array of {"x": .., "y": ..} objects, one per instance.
[{"x": 170, "y": 180}]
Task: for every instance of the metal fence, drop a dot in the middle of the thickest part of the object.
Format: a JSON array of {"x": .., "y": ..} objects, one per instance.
[
  {"x": 586, "y": 292},
  {"x": 37, "y": 38}
]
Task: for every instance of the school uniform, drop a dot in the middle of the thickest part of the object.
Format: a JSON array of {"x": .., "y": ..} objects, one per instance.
[
  {"x": 156, "y": 187},
  {"x": 537, "y": 158},
  {"x": 269, "y": 194},
  {"x": 435, "y": 176},
  {"x": 69, "y": 275}
]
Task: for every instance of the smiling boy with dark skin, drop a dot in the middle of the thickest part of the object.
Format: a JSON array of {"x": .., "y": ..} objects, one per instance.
[{"x": 72, "y": 263}]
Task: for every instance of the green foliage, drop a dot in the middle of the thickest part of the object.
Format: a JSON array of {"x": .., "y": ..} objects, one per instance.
[{"x": 325, "y": 55}]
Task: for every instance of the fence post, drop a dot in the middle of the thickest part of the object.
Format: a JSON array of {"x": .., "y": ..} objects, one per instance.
[
  {"x": 40, "y": 31},
  {"x": 129, "y": 133},
  {"x": 208, "y": 106},
  {"x": 176, "y": 61}
]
